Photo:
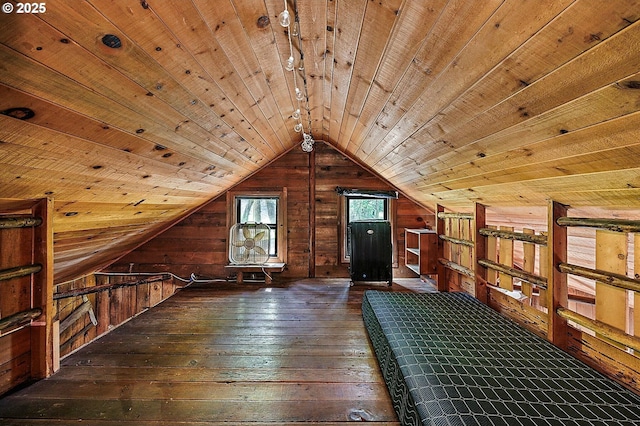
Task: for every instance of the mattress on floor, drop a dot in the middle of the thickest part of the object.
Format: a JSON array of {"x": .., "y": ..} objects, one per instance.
[{"x": 447, "y": 359}]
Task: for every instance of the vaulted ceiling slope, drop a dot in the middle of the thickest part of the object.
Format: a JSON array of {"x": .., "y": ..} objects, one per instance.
[{"x": 503, "y": 102}]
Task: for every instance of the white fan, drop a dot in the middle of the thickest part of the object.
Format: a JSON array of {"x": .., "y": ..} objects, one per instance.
[{"x": 249, "y": 243}]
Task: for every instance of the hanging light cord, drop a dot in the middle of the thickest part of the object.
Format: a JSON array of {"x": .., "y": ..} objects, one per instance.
[{"x": 285, "y": 21}]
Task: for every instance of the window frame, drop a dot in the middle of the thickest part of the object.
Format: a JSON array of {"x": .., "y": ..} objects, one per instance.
[
  {"x": 281, "y": 226},
  {"x": 344, "y": 226}
]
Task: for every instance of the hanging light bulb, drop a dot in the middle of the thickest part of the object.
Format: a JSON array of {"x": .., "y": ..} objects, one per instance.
[
  {"x": 307, "y": 142},
  {"x": 301, "y": 65},
  {"x": 298, "y": 127},
  {"x": 296, "y": 114},
  {"x": 295, "y": 29},
  {"x": 299, "y": 94},
  {"x": 284, "y": 18},
  {"x": 289, "y": 66}
]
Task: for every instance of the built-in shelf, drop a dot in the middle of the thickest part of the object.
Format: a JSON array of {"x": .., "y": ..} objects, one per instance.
[{"x": 420, "y": 250}]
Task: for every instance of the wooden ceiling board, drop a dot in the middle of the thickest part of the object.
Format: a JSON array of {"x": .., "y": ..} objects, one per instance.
[
  {"x": 379, "y": 19},
  {"x": 327, "y": 72},
  {"x": 414, "y": 23},
  {"x": 314, "y": 33},
  {"x": 506, "y": 102},
  {"x": 457, "y": 24},
  {"x": 509, "y": 27},
  {"x": 195, "y": 35},
  {"x": 160, "y": 44},
  {"x": 580, "y": 152},
  {"x": 76, "y": 125},
  {"x": 346, "y": 35},
  {"x": 518, "y": 98}
]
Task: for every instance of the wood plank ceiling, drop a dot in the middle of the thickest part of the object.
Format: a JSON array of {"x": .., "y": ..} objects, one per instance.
[{"x": 508, "y": 103}]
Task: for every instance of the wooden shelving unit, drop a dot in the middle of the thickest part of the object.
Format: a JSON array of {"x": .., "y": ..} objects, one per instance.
[{"x": 420, "y": 250}]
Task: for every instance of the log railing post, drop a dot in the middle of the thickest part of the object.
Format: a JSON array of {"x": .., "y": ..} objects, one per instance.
[
  {"x": 440, "y": 230},
  {"x": 480, "y": 252},
  {"x": 557, "y": 288}
]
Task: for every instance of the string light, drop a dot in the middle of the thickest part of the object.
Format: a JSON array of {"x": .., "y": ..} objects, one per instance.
[{"x": 300, "y": 94}]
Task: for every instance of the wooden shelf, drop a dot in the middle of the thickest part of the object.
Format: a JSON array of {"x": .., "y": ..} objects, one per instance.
[{"x": 420, "y": 250}]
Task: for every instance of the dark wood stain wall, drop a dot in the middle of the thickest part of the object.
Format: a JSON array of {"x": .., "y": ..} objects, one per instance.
[
  {"x": 109, "y": 307},
  {"x": 198, "y": 243}
]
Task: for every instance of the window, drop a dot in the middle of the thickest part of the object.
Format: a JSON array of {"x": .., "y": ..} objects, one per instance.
[
  {"x": 267, "y": 207},
  {"x": 362, "y": 208},
  {"x": 260, "y": 210},
  {"x": 359, "y": 208}
]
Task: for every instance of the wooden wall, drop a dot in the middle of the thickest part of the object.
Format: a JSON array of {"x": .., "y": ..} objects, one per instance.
[
  {"x": 26, "y": 286},
  {"x": 86, "y": 317},
  {"x": 198, "y": 243}
]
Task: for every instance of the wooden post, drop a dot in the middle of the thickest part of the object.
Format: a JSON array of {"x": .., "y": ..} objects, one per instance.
[
  {"x": 611, "y": 256},
  {"x": 543, "y": 265},
  {"x": 492, "y": 254},
  {"x": 42, "y": 353},
  {"x": 480, "y": 252},
  {"x": 557, "y": 291},
  {"x": 506, "y": 258},
  {"x": 312, "y": 216},
  {"x": 443, "y": 284},
  {"x": 636, "y": 295},
  {"x": 528, "y": 263}
]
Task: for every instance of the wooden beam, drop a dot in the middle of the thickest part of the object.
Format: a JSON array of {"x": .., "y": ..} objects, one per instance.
[
  {"x": 19, "y": 319},
  {"x": 42, "y": 350},
  {"x": 616, "y": 225},
  {"x": 104, "y": 287},
  {"x": 602, "y": 329},
  {"x": 443, "y": 284},
  {"x": 636, "y": 295},
  {"x": 9, "y": 222},
  {"x": 479, "y": 251},
  {"x": 454, "y": 215},
  {"x": 610, "y": 278},
  {"x": 543, "y": 265},
  {"x": 529, "y": 261},
  {"x": 312, "y": 215},
  {"x": 86, "y": 307},
  {"x": 519, "y": 236},
  {"x": 492, "y": 254},
  {"x": 456, "y": 267},
  {"x": 19, "y": 271},
  {"x": 457, "y": 240},
  {"x": 505, "y": 256},
  {"x": 557, "y": 288},
  {"x": 505, "y": 269}
]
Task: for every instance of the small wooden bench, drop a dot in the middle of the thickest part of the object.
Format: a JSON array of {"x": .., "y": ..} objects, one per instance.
[{"x": 267, "y": 269}]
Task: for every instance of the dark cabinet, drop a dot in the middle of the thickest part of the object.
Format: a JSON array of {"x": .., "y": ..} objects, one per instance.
[{"x": 371, "y": 251}]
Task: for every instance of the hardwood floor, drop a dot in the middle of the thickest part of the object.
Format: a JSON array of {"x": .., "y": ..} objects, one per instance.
[{"x": 218, "y": 354}]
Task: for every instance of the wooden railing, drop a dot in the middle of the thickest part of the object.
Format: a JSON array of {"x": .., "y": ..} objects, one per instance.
[{"x": 539, "y": 298}]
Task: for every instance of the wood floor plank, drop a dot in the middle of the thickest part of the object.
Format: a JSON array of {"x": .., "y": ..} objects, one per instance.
[
  {"x": 289, "y": 354},
  {"x": 211, "y": 410},
  {"x": 227, "y": 375},
  {"x": 233, "y": 391}
]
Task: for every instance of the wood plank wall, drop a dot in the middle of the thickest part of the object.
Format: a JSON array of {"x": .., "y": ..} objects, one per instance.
[
  {"x": 15, "y": 296},
  {"x": 27, "y": 336},
  {"x": 109, "y": 308},
  {"x": 198, "y": 243}
]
